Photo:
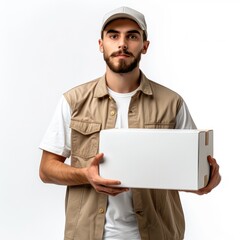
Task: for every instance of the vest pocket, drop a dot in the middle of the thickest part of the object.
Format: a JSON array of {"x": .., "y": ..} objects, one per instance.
[
  {"x": 85, "y": 138},
  {"x": 159, "y": 125}
]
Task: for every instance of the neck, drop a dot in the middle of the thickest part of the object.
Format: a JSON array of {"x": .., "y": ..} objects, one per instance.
[{"x": 123, "y": 82}]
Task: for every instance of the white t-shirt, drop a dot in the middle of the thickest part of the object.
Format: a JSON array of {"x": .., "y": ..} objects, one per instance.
[{"x": 121, "y": 221}]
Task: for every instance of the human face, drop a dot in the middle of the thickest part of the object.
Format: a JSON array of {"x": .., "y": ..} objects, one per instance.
[{"x": 122, "y": 45}]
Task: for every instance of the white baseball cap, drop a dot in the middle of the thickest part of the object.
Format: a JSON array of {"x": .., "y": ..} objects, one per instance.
[{"x": 125, "y": 12}]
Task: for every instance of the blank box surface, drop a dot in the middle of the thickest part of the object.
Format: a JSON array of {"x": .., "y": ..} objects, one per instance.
[{"x": 156, "y": 158}]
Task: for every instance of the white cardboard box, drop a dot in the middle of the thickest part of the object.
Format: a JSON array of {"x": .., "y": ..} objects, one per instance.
[{"x": 156, "y": 158}]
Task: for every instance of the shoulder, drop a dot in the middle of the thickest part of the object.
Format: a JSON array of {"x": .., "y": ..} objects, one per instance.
[
  {"x": 163, "y": 96},
  {"x": 163, "y": 93},
  {"x": 82, "y": 87},
  {"x": 81, "y": 92},
  {"x": 156, "y": 89},
  {"x": 159, "y": 89}
]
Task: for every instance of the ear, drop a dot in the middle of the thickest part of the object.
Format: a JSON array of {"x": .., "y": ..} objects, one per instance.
[
  {"x": 145, "y": 47},
  {"x": 100, "y": 43}
]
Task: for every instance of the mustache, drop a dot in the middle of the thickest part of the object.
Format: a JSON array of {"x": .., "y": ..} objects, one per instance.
[{"x": 120, "y": 52}]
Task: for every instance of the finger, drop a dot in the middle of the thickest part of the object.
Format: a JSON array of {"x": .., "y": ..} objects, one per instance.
[
  {"x": 110, "y": 190},
  {"x": 211, "y": 160},
  {"x": 97, "y": 159},
  {"x": 214, "y": 181},
  {"x": 199, "y": 192},
  {"x": 214, "y": 175},
  {"x": 215, "y": 178},
  {"x": 99, "y": 181}
]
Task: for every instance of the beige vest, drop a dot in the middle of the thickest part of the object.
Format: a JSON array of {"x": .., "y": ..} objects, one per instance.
[{"x": 159, "y": 212}]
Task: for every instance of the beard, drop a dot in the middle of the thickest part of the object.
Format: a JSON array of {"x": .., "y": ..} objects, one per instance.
[{"x": 122, "y": 66}]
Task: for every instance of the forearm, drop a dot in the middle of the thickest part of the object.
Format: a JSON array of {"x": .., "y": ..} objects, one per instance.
[{"x": 54, "y": 170}]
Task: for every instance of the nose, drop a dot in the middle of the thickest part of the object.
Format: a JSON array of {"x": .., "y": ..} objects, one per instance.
[
  {"x": 123, "y": 47},
  {"x": 122, "y": 44}
]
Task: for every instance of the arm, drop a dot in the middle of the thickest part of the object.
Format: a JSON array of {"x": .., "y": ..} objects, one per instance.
[
  {"x": 56, "y": 148},
  {"x": 54, "y": 170}
]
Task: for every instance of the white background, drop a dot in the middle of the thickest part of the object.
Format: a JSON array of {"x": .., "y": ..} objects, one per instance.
[{"x": 47, "y": 47}]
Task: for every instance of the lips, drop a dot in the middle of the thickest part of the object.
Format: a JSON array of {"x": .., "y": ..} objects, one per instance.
[{"x": 121, "y": 54}]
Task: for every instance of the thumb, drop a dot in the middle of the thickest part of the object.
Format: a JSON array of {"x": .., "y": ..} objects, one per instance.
[{"x": 97, "y": 159}]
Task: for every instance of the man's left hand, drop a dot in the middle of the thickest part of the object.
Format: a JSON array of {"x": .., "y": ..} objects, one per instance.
[{"x": 215, "y": 178}]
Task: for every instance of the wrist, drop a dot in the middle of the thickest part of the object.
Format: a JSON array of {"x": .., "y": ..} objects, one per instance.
[{"x": 82, "y": 175}]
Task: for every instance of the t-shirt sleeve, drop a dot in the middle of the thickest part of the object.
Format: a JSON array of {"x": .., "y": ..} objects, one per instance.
[
  {"x": 184, "y": 119},
  {"x": 57, "y": 136}
]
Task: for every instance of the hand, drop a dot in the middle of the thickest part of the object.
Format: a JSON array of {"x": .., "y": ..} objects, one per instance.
[
  {"x": 100, "y": 184},
  {"x": 215, "y": 178}
]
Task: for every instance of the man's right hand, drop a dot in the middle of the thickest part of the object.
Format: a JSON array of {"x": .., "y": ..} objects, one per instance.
[
  {"x": 54, "y": 170},
  {"x": 102, "y": 185}
]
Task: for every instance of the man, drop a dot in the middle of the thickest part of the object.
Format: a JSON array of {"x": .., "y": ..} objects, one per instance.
[{"x": 122, "y": 98}]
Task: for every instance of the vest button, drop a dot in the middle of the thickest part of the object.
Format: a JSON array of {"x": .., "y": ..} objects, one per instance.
[
  {"x": 101, "y": 210},
  {"x": 139, "y": 212},
  {"x": 112, "y": 113}
]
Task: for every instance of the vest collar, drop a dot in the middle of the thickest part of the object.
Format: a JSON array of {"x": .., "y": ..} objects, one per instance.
[
  {"x": 145, "y": 85},
  {"x": 101, "y": 87}
]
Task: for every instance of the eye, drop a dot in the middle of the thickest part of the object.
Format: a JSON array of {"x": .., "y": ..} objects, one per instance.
[
  {"x": 113, "y": 36},
  {"x": 132, "y": 36}
]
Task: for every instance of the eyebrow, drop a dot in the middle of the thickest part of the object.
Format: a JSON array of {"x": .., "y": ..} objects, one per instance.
[{"x": 130, "y": 31}]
